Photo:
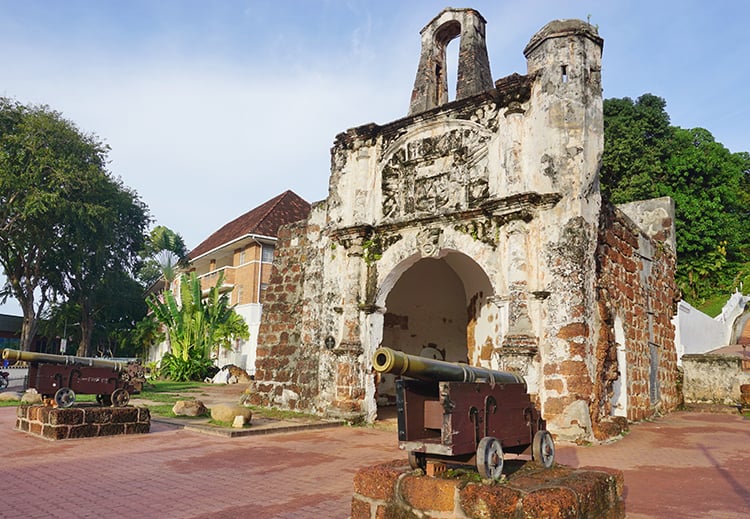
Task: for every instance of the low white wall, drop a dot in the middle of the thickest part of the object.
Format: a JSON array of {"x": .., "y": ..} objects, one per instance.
[
  {"x": 696, "y": 332},
  {"x": 713, "y": 378}
]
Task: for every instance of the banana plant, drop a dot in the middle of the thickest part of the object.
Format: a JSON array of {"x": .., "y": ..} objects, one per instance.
[{"x": 197, "y": 325}]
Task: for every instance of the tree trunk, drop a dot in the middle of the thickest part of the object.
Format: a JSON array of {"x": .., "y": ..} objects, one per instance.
[
  {"x": 28, "y": 327},
  {"x": 87, "y": 330}
]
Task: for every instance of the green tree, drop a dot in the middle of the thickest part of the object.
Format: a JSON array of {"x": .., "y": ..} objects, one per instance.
[
  {"x": 108, "y": 223},
  {"x": 645, "y": 157},
  {"x": 637, "y": 143},
  {"x": 198, "y": 326},
  {"x": 65, "y": 222},
  {"x": 165, "y": 251}
]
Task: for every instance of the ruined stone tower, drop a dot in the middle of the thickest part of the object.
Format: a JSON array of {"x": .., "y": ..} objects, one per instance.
[
  {"x": 431, "y": 84},
  {"x": 474, "y": 230}
]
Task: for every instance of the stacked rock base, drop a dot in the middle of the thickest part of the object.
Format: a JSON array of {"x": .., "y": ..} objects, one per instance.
[
  {"x": 394, "y": 490},
  {"x": 82, "y": 422}
]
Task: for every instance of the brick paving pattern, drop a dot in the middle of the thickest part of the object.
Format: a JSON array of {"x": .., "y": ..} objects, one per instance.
[{"x": 684, "y": 465}]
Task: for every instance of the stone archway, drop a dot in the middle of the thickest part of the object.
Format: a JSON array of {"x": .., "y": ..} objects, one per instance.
[{"x": 440, "y": 307}]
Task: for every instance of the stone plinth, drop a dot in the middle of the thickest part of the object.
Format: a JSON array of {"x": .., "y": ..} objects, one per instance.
[
  {"x": 395, "y": 490},
  {"x": 82, "y": 422}
]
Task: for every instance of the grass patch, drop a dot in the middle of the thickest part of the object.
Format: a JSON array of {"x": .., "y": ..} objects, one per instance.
[
  {"x": 165, "y": 410},
  {"x": 9, "y": 403},
  {"x": 712, "y": 307},
  {"x": 169, "y": 386},
  {"x": 280, "y": 414},
  {"x": 167, "y": 392}
]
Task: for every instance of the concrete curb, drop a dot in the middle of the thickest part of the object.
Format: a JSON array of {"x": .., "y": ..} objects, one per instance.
[{"x": 268, "y": 428}]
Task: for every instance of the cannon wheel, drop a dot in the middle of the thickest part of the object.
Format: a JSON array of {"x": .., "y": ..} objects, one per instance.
[
  {"x": 490, "y": 458},
  {"x": 417, "y": 460},
  {"x": 120, "y": 397},
  {"x": 105, "y": 400},
  {"x": 65, "y": 397},
  {"x": 543, "y": 449}
]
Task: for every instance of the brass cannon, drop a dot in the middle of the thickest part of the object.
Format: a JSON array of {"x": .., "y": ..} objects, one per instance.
[
  {"x": 62, "y": 376},
  {"x": 459, "y": 414}
]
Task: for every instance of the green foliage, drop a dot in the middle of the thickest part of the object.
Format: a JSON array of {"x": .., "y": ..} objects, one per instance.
[
  {"x": 66, "y": 224},
  {"x": 713, "y": 306},
  {"x": 644, "y": 157},
  {"x": 165, "y": 251},
  {"x": 156, "y": 389},
  {"x": 181, "y": 369},
  {"x": 167, "y": 392},
  {"x": 198, "y": 326}
]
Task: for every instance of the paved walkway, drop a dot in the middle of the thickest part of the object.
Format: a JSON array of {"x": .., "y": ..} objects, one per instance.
[
  {"x": 684, "y": 465},
  {"x": 687, "y": 465}
]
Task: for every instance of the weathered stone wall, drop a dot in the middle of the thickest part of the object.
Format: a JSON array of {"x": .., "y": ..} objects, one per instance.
[
  {"x": 286, "y": 372},
  {"x": 636, "y": 290},
  {"x": 492, "y": 201},
  {"x": 713, "y": 378}
]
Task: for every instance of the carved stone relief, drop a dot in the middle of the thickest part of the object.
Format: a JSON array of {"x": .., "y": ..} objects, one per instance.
[
  {"x": 430, "y": 241},
  {"x": 435, "y": 174}
]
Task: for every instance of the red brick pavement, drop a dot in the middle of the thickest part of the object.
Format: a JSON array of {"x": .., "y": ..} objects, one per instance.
[
  {"x": 684, "y": 465},
  {"x": 174, "y": 473}
]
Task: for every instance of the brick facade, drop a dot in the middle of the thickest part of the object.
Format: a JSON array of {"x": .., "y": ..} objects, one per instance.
[
  {"x": 286, "y": 370},
  {"x": 635, "y": 285}
]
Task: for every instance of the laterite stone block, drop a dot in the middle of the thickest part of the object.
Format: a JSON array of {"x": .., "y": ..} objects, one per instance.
[{"x": 82, "y": 422}]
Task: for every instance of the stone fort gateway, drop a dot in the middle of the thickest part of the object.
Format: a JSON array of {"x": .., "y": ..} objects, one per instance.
[{"x": 474, "y": 231}]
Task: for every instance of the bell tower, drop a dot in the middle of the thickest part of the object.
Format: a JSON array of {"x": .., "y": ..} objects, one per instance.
[{"x": 473, "y": 77}]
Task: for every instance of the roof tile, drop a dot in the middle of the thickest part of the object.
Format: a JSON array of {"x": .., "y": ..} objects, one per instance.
[{"x": 264, "y": 220}]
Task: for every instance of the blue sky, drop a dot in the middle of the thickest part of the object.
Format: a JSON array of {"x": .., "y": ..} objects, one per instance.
[{"x": 213, "y": 107}]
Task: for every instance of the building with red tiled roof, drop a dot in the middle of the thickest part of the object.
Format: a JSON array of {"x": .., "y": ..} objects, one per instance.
[{"x": 243, "y": 251}]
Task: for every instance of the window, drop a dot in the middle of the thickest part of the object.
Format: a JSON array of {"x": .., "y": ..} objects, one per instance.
[
  {"x": 242, "y": 257},
  {"x": 238, "y": 290},
  {"x": 267, "y": 254}
]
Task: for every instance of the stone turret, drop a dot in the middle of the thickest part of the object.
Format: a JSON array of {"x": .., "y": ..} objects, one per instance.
[{"x": 431, "y": 84}]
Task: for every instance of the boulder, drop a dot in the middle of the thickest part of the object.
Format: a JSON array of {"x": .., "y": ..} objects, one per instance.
[
  {"x": 31, "y": 397},
  {"x": 7, "y": 396},
  {"x": 228, "y": 412},
  {"x": 189, "y": 408}
]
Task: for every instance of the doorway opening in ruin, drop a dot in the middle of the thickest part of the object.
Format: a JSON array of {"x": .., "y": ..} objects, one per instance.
[
  {"x": 437, "y": 307},
  {"x": 619, "y": 400}
]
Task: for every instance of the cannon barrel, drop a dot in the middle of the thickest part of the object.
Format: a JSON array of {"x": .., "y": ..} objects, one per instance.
[
  {"x": 387, "y": 360},
  {"x": 30, "y": 356}
]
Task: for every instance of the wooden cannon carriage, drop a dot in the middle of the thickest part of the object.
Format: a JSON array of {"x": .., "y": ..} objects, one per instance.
[
  {"x": 459, "y": 414},
  {"x": 62, "y": 376}
]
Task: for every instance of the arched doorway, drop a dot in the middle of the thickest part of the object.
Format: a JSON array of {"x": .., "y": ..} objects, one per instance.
[{"x": 439, "y": 307}]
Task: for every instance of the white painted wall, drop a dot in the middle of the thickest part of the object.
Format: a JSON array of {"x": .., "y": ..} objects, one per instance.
[{"x": 696, "y": 332}]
